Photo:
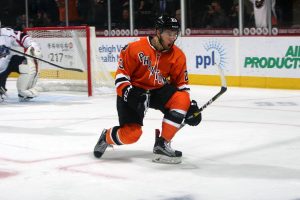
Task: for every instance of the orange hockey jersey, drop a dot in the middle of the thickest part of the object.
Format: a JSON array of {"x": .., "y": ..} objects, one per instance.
[{"x": 141, "y": 65}]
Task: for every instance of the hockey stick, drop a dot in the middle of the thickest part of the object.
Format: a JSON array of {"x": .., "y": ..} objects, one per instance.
[
  {"x": 45, "y": 61},
  {"x": 223, "y": 90},
  {"x": 215, "y": 97}
]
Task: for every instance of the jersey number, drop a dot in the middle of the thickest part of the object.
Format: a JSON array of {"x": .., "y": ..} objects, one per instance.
[{"x": 186, "y": 76}]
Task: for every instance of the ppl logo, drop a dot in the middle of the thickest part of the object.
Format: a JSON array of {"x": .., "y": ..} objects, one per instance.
[{"x": 215, "y": 55}]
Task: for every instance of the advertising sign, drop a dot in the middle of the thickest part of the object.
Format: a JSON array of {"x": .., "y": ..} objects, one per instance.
[
  {"x": 108, "y": 50},
  {"x": 204, "y": 54},
  {"x": 270, "y": 57},
  {"x": 238, "y": 56},
  {"x": 61, "y": 51}
]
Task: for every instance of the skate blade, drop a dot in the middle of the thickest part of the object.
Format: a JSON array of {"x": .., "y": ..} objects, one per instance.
[
  {"x": 158, "y": 158},
  {"x": 22, "y": 99}
]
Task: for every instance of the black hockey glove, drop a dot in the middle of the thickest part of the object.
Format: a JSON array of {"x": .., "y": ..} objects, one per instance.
[
  {"x": 136, "y": 98},
  {"x": 4, "y": 51},
  {"x": 193, "y": 116}
]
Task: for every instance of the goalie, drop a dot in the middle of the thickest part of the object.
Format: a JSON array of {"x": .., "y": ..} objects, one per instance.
[
  {"x": 152, "y": 73},
  {"x": 26, "y": 67}
]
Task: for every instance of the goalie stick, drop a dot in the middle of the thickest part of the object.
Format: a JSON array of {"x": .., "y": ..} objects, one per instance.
[{"x": 45, "y": 61}]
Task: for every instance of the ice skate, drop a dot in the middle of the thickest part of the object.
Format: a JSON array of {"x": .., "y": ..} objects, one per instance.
[
  {"x": 2, "y": 94},
  {"x": 24, "y": 99},
  {"x": 101, "y": 145},
  {"x": 163, "y": 153}
]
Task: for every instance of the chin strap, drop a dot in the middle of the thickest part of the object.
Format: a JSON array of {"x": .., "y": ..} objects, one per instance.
[{"x": 160, "y": 40}]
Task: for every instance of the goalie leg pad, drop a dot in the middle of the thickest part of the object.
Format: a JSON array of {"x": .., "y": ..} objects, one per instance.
[{"x": 27, "y": 79}]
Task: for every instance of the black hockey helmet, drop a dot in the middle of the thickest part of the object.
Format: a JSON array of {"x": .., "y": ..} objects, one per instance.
[{"x": 165, "y": 22}]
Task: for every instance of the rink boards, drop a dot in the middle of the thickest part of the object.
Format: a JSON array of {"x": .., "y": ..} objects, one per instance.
[
  {"x": 253, "y": 61},
  {"x": 261, "y": 61}
]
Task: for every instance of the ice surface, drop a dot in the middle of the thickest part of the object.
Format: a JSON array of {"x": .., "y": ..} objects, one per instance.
[{"x": 246, "y": 148}]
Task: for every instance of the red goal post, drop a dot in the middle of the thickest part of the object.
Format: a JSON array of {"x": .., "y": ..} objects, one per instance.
[{"x": 70, "y": 47}]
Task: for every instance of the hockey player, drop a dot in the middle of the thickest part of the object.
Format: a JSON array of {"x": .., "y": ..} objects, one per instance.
[
  {"x": 25, "y": 66},
  {"x": 152, "y": 73}
]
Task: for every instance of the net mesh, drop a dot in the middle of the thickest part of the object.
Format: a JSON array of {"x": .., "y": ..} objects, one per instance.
[{"x": 68, "y": 48}]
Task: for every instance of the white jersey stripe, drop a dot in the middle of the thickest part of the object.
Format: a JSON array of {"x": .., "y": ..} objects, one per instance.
[
  {"x": 171, "y": 123},
  {"x": 122, "y": 76},
  {"x": 119, "y": 83}
]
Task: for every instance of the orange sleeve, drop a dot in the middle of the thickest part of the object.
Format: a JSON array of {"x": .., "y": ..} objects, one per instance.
[{"x": 126, "y": 66}]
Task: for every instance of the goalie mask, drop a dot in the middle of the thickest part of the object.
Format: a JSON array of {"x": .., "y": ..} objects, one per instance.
[{"x": 259, "y": 3}]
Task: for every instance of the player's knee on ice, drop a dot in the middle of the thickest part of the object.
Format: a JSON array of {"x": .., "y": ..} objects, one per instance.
[{"x": 129, "y": 133}]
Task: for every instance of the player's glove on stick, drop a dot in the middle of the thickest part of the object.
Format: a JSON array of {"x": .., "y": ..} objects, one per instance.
[
  {"x": 193, "y": 116},
  {"x": 136, "y": 98}
]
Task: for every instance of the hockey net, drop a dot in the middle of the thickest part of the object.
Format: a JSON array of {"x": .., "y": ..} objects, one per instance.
[{"x": 71, "y": 47}]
